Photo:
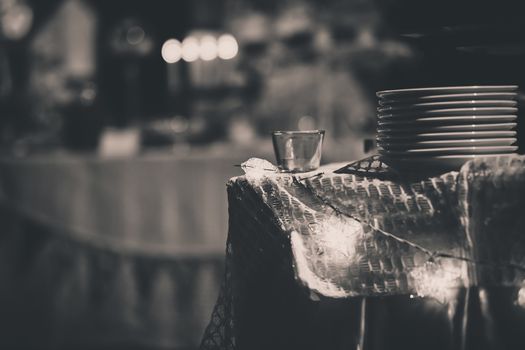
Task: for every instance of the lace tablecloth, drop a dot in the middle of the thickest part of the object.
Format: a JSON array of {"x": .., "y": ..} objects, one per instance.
[{"x": 373, "y": 259}]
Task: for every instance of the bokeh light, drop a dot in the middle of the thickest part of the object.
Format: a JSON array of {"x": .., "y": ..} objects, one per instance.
[
  {"x": 190, "y": 49},
  {"x": 208, "y": 48},
  {"x": 228, "y": 47},
  {"x": 171, "y": 51},
  {"x": 135, "y": 35},
  {"x": 16, "y": 22},
  {"x": 521, "y": 296}
]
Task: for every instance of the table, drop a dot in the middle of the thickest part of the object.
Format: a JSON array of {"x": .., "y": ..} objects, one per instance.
[
  {"x": 373, "y": 259},
  {"x": 111, "y": 253}
]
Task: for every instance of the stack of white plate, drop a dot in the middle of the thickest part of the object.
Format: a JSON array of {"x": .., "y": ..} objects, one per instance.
[{"x": 446, "y": 126}]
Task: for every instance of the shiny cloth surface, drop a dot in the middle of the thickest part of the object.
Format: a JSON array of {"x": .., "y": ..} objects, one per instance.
[{"x": 314, "y": 248}]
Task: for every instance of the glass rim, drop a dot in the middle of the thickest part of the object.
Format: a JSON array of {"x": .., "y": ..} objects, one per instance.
[{"x": 297, "y": 132}]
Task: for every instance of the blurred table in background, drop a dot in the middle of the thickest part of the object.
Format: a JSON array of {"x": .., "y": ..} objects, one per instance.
[{"x": 109, "y": 253}]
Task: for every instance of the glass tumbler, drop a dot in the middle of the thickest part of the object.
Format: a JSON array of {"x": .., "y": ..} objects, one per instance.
[{"x": 298, "y": 151}]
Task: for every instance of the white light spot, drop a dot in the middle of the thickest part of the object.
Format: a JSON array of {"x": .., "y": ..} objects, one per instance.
[
  {"x": 438, "y": 281},
  {"x": 228, "y": 47},
  {"x": 208, "y": 48},
  {"x": 190, "y": 49},
  {"x": 171, "y": 51}
]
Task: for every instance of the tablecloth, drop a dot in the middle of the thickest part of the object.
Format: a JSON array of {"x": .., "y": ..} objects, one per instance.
[
  {"x": 374, "y": 259},
  {"x": 111, "y": 253}
]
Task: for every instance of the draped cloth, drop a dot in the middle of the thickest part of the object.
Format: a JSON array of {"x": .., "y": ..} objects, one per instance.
[
  {"x": 111, "y": 253},
  {"x": 367, "y": 257}
]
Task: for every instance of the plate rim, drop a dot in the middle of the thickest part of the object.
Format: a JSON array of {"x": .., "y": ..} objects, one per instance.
[
  {"x": 509, "y": 126},
  {"x": 512, "y": 96},
  {"x": 423, "y": 105},
  {"x": 434, "y": 119},
  {"x": 465, "y": 126},
  {"x": 459, "y": 140},
  {"x": 452, "y": 143},
  {"x": 460, "y": 134},
  {"x": 495, "y": 88},
  {"x": 473, "y": 110},
  {"x": 424, "y": 151}
]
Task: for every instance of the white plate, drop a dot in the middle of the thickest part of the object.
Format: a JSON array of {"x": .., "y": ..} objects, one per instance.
[
  {"x": 451, "y": 150},
  {"x": 450, "y": 97},
  {"x": 409, "y": 136},
  {"x": 449, "y": 111},
  {"x": 448, "y": 90},
  {"x": 447, "y": 120},
  {"x": 447, "y": 105},
  {"x": 403, "y": 145},
  {"x": 411, "y": 129},
  {"x": 453, "y": 162}
]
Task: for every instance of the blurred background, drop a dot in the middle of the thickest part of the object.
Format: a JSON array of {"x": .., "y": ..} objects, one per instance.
[
  {"x": 77, "y": 75},
  {"x": 121, "y": 122}
]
